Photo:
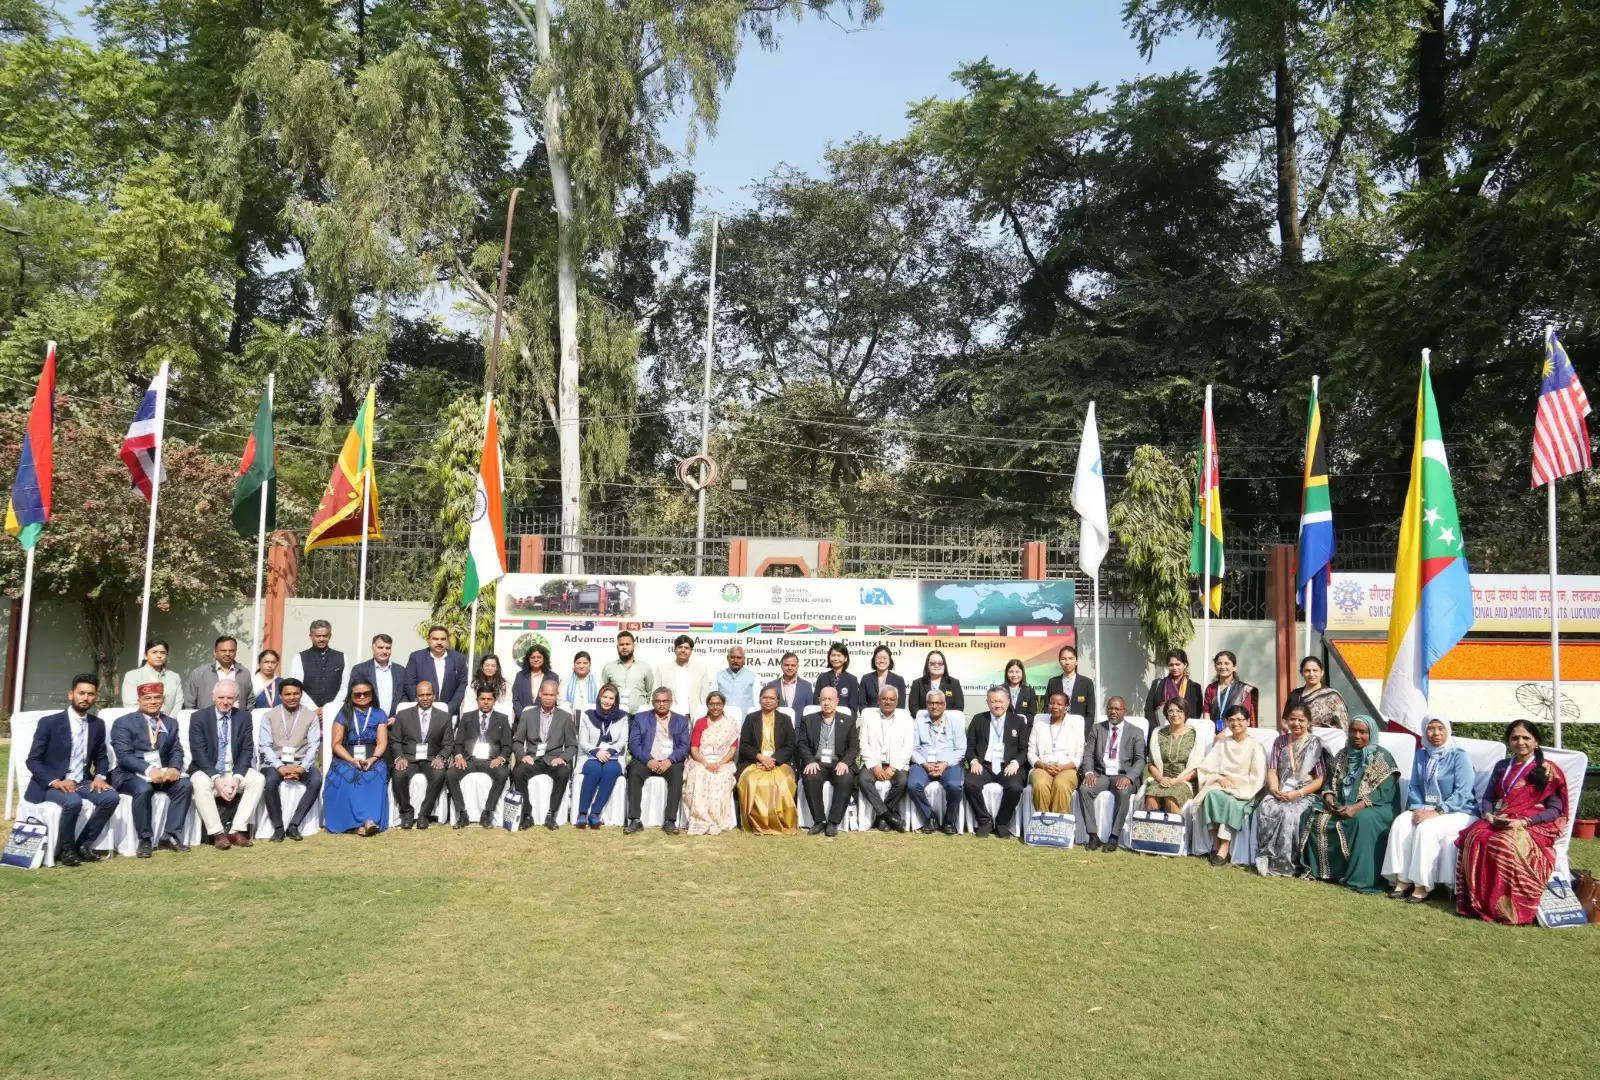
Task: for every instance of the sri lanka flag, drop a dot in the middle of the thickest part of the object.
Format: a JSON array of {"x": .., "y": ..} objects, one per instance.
[
  {"x": 29, "y": 507},
  {"x": 345, "y": 513},
  {"x": 1432, "y": 592},
  {"x": 1316, "y": 521}
]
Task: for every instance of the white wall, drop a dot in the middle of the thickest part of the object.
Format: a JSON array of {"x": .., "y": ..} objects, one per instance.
[
  {"x": 1125, "y": 670},
  {"x": 400, "y": 619}
]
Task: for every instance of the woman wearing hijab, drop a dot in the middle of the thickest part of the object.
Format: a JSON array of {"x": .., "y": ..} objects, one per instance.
[
  {"x": 708, "y": 775},
  {"x": 1230, "y": 776},
  {"x": 1296, "y": 769},
  {"x": 535, "y": 670},
  {"x": 1023, "y": 699},
  {"x": 602, "y": 740},
  {"x": 1174, "y": 762},
  {"x": 935, "y": 676},
  {"x": 1228, "y": 688},
  {"x": 1508, "y": 854},
  {"x": 1324, "y": 704},
  {"x": 1439, "y": 803},
  {"x": 881, "y": 675},
  {"x": 355, "y": 796},
  {"x": 1344, "y": 839},
  {"x": 766, "y": 783},
  {"x": 1174, "y": 684}
]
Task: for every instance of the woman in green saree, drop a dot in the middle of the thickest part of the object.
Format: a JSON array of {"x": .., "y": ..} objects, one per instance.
[{"x": 1344, "y": 839}]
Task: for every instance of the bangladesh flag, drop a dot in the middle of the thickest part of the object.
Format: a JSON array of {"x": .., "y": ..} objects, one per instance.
[{"x": 258, "y": 476}]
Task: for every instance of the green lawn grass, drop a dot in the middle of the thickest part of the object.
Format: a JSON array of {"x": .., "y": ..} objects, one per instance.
[{"x": 577, "y": 954}]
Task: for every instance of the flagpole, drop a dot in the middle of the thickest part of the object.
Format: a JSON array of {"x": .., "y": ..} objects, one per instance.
[
  {"x": 472, "y": 624},
  {"x": 1555, "y": 619},
  {"x": 1097, "y": 681},
  {"x": 261, "y": 549},
  {"x": 155, "y": 497},
  {"x": 22, "y": 660},
  {"x": 1309, "y": 582},
  {"x": 1205, "y": 524},
  {"x": 366, "y": 527}
]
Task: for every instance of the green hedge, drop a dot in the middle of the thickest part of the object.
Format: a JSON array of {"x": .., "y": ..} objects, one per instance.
[{"x": 1581, "y": 737}]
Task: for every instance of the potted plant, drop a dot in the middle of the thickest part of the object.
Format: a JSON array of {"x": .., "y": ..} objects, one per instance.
[{"x": 1588, "y": 816}]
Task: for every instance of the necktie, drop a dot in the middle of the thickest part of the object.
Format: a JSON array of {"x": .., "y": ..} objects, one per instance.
[
  {"x": 1114, "y": 733},
  {"x": 226, "y": 745},
  {"x": 483, "y": 725}
]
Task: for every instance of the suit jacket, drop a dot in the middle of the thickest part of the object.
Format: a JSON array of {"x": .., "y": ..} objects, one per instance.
[
  {"x": 405, "y": 688},
  {"x": 642, "y": 733},
  {"x": 954, "y": 699},
  {"x": 803, "y": 694},
  {"x": 871, "y": 687},
  {"x": 498, "y": 734},
  {"x": 204, "y": 753},
  {"x": 405, "y": 731},
  {"x": 50, "y": 756},
  {"x": 1018, "y": 729},
  {"x": 130, "y": 740},
  {"x": 197, "y": 687},
  {"x": 784, "y": 746},
  {"x": 419, "y": 668},
  {"x": 1081, "y": 702},
  {"x": 1131, "y": 752},
  {"x": 1027, "y": 702},
  {"x": 845, "y": 683},
  {"x": 561, "y": 741},
  {"x": 846, "y": 741}
]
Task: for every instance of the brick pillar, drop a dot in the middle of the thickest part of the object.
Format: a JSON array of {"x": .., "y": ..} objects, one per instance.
[
  {"x": 825, "y": 550},
  {"x": 530, "y": 554},
  {"x": 1281, "y": 602},
  {"x": 1033, "y": 559},
  {"x": 283, "y": 570},
  {"x": 738, "y": 557}
]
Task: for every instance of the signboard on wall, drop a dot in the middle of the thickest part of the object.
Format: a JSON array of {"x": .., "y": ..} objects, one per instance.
[
  {"x": 978, "y": 625},
  {"x": 1503, "y": 603}
]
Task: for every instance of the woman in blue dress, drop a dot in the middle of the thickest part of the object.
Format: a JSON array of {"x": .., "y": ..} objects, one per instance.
[{"x": 355, "y": 796}]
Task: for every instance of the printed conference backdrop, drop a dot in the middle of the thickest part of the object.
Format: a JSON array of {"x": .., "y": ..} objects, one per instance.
[
  {"x": 1502, "y": 603},
  {"x": 978, "y": 625}
]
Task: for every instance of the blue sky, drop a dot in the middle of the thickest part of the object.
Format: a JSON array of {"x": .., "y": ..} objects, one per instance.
[{"x": 824, "y": 85}]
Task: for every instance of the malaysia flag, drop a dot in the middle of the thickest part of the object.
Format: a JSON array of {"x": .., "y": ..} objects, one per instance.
[{"x": 141, "y": 448}]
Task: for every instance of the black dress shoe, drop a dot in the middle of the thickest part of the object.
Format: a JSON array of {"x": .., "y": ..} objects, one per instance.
[
  {"x": 816, "y": 829},
  {"x": 632, "y": 827},
  {"x": 549, "y": 822},
  {"x": 461, "y": 823},
  {"x": 525, "y": 822},
  {"x": 67, "y": 857},
  {"x": 949, "y": 830},
  {"x": 424, "y": 821},
  {"x": 293, "y": 833},
  {"x": 831, "y": 830},
  {"x": 143, "y": 851},
  {"x": 277, "y": 836},
  {"x": 88, "y": 854},
  {"x": 1110, "y": 846},
  {"x": 487, "y": 820},
  {"x": 927, "y": 828},
  {"x": 896, "y": 823},
  {"x": 670, "y": 828},
  {"x": 984, "y": 829},
  {"x": 1093, "y": 843},
  {"x": 408, "y": 823},
  {"x": 1002, "y": 833},
  {"x": 172, "y": 843},
  {"x": 881, "y": 825}
]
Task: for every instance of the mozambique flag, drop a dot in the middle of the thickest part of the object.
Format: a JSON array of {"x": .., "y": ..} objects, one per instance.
[
  {"x": 1316, "y": 521},
  {"x": 258, "y": 476},
  {"x": 1206, "y": 534},
  {"x": 29, "y": 507},
  {"x": 339, "y": 517}
]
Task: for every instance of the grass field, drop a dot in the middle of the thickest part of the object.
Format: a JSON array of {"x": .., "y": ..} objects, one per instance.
[{"x": 576, "y": 954}]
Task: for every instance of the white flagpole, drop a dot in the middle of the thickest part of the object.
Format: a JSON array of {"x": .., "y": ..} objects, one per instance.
[
  {"x": 261, "y": 550},
  {"x": 1205, "y": 524},
  {"x": 472, "y": 624},
  {"x": 1097, "y": 681},
  {"x": 1307, "y": 651},
  {"x": 22, "y": 664},
  {"x": 155, "y": 497},
  {"x": 1555, "y": 621}
]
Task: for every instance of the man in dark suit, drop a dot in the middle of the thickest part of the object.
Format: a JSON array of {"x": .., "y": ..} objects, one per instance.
[
  {"x": 1079, "y": 689},
  {"x": 828, "y": 748},
  {"x": 482, "y": 744},
  {"x": 1113, "y": 760},
  {"x": 150, "y": 759},
  {"x": 222, "y": 749},
  {"x": 794, "y": 693},
  {"x": 421, "y": 741},
  {"x": 658, "y": 743},
  {"x": 545, "y": 744},
  {"x": 441, "y": 665},
  {"x": 391, "y": 683},
  {"x": 65, "y": 746},
  {"x": 997, "y": 753}
]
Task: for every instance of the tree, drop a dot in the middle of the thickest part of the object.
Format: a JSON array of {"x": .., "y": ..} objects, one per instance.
[{"x": 1151, "y": 521}]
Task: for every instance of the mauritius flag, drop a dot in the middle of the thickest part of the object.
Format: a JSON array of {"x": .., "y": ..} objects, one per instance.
[
  {"x": 29, "y": 508},
  {"x": 1432, "y": 592}
]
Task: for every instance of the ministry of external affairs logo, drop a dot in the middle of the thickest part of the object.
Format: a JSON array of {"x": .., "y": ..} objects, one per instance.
[
  {"x": 777, "y": 594},
  {"x": 682, "y": 588},
  {"x": 731, "y": 593}
]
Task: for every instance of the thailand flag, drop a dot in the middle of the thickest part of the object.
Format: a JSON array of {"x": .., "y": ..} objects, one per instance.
[{"x": 142, "y": 447}]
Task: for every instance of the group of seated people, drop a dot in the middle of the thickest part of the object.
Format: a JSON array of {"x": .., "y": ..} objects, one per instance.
[{"x": 1332, "y": 817}]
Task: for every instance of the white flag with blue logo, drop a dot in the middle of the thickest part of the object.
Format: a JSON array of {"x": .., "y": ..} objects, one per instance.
[{"x": 1089, "y": 500}]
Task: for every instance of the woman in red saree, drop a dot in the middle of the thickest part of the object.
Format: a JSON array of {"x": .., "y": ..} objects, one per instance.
[{"x": 1508, "y": 855}]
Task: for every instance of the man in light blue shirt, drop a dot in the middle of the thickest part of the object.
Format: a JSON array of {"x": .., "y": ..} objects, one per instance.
[
  {"x": 738, "y": 685},
  {"x": 936, "y": 759}
]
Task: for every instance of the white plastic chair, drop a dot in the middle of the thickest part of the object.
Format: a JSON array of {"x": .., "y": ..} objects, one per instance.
[
  {"x": 936, "y": 790},
  {"x": 862, "y": 816}
]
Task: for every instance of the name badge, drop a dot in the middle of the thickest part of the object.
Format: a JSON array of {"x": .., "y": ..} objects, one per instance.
[
  {"x": 538, "y": 751},
  {"x": 286, "y": 755},
  {"x": 480, "y": 749},
  {"x": 421, "y": 752},
  {"x": 152, "y": 759},
  {"x": 359, "y": 752}
]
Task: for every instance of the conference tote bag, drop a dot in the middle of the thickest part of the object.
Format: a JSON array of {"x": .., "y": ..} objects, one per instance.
[
  {"x": 25, "y": 846},
  {"x": 1559, "y": 907},
  {"x": 1051, "y": 830},
  {"x": 1155, "y": 832}
]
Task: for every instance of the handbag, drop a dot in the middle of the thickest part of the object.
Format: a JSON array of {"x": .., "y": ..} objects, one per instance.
[
  {"x": 1050, "y": 830},
  {"x": 1559, "y": 907},
  {"x": 1156, "y": 832},
  {"x": 26, "y": 845},
  {"x": 511, "y": 810},
  {"x": 1587, "y": 890}
]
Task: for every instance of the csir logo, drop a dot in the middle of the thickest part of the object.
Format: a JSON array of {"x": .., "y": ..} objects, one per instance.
[
  {"x": 878, "y": 597},
  {"x": 682, "y": 588},
  {"x": 1348, "y": 597},
  {"x": 731, "y": 593}
]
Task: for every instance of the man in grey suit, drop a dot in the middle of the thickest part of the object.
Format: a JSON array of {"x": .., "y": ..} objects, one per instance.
[
  {"x": 197, "y": 687},
  {"x": 545, "y": 743},
  {"x": 421, "y": 738},
  {"x": 1113, "y": 760}
]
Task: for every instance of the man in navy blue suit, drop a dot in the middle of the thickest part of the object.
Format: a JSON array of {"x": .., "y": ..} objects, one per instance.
[
  {"x": 222, "y": 751},
  {"x": 150, "y": 759},
  {"x": 658, "y": 742},
  {"x": 392, "y": 685},
  {"x": 64, "y": 746},
  {"x": 442, "y": 666}
]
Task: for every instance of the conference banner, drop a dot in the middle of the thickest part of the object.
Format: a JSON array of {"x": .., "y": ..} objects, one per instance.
[
  {"x": 1501, "y": 603},
  {"x": 978, "y": 625}
]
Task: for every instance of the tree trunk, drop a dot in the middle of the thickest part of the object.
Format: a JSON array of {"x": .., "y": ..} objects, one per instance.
[
  {"x": 105, "y": 625},
  {"x": 1291, "y": 250},
  {"x": 1428, "y": 129},
  {"x": 566, "y": 309}
]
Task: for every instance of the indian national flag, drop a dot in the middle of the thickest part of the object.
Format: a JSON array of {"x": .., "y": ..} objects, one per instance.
[
  {"x": 486, "y": 547},
  {"x": 1205, "y": 538}
]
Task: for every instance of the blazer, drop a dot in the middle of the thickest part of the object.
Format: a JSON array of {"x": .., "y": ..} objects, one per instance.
[
  {"x": 1193, "y": 701},
  {"x": 642, "y": 733},
  {"x": 197, "y": 687},
  {"x": 1018, "y": 728},
  {"x": 419, "y": 668},
  {"x": 871, "y": 688},
  {"x": 1082, "y": 700},
  {"x": 130, "y": 740},
  {"x": 560, "y": 742},
  {"x": 804, "y": 696},
  {"x": 953, "y": 698},
  {"x": 784, "y": 746},
  {"x": 885, "y": 739},
  {"x": 846, "y": 740},
  {"x": 498, "y": 734},
  {"x": 1027, "y": 702},
  {"x": 204, "y": 753},
  {"x": 405, "y": 688},
  {"x": 524, "y": 693},
  {"x": 848, "y": 686},
  {"x": 50, "y": 756},
  {"x": 1131, "y": 757},
  {"x": 405, "y": 732}
]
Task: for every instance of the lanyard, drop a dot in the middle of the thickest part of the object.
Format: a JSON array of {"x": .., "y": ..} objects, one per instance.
[
  {"x": 1222, "y": 698},
  {"x": 361, "y": 724},
  {"x": 1055, "y": 735},
  {"x": 1513, "y": 773},
  {"x": 156, "y": 728},
  {"x": 997, "y": 735}
]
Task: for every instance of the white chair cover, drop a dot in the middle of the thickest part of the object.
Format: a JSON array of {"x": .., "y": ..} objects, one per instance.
[
  {"x": 615, "y": 810},
  {"x": 653, "y": 803},
  {"x": 475, "y": 794}
]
